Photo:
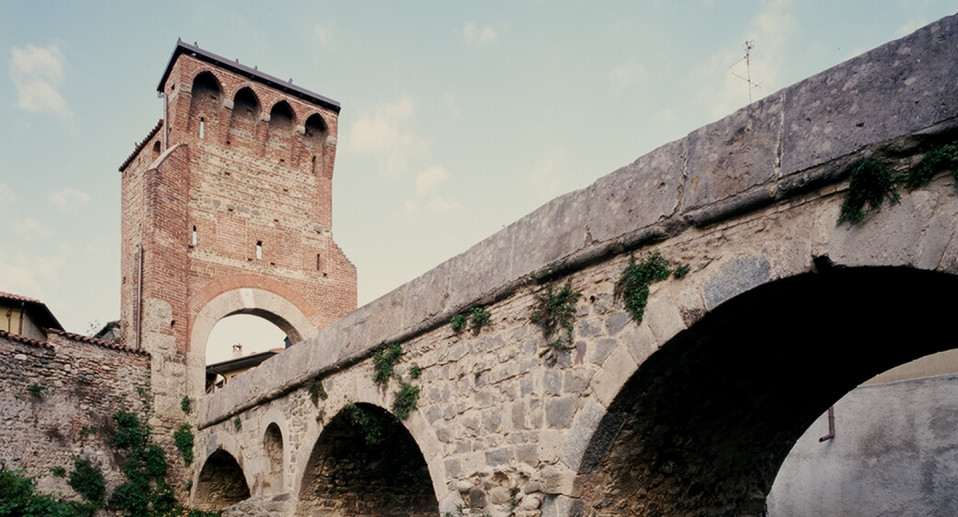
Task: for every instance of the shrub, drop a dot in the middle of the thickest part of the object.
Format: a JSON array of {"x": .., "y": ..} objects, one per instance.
[{"x": 554, "y": 313}]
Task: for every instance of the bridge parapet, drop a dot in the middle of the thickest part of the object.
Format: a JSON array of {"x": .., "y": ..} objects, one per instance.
[{"x": 800, "y": 138}]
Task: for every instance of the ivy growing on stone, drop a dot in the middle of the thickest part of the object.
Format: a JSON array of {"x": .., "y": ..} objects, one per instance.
[
  {"x": 554, "y": 313},
  {"x": 186, "y": 404},
  {"x": 183, "y": 438},
  {"x": 145, "y": 491},
  {"x": 87, "y": 479}
]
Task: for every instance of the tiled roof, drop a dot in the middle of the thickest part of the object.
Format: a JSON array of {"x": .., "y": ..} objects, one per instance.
[
  {"x": 24, "y": 339},
  {"x": 17, "y": 297},
  {"x": 139, "y": 146},
  {"x": 97, "y": 342}
]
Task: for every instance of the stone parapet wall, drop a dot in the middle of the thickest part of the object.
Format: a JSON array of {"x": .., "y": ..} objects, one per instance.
[{"x": 57, "y": 401}]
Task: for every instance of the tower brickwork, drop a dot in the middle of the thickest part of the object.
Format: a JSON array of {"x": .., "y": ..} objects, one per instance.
[{"x": 227, "y": 208}]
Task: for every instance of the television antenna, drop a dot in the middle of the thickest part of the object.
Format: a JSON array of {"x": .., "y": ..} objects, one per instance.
[{"x": 749, "y": 44}]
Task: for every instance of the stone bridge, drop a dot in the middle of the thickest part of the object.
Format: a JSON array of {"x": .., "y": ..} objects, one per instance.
[{"x": 690, "y": 411}]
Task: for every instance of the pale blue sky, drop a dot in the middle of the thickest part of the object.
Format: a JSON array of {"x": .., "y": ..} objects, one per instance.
[{"x": 457, "y": 119}]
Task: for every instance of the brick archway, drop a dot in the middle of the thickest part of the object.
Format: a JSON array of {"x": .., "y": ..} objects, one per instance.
[{"x": 229, "y": 296}]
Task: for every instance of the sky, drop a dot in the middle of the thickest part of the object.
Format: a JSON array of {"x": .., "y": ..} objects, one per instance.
[{"x": 457, "y": 117}]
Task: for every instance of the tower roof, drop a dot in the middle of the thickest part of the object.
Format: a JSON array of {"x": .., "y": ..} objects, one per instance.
[{"x": 252, "y": 73}]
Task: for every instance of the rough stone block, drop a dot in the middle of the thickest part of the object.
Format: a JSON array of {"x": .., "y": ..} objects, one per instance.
[{"x": 637, "y": 195}]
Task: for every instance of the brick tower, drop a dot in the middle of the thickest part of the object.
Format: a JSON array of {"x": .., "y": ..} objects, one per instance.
[{"x": 227, "y": 209}]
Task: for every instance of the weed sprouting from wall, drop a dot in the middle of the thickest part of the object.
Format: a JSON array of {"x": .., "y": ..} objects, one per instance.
[
  {"x": 480, "y": 318},
  {"x": 383, "y": 362},
  {"x": 935, "y": 161},
  {"x": 554, "y": 313},
  {"x": 369, "y": 423},
  {"x": 870, "y": 185},
  {"x": 317, "y": 391},
  {"x": 186, "y": 404},
  {"x": 237, "y": 423},
  {"x": 37, "y": 391},
  {"x": 406, "y": 400},
  {"x": 458, "y": 322},
  {"x": 633, "y": 285}
]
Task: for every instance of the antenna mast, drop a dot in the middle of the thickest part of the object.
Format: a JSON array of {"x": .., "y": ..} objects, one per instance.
[{"x": 749, "y": 44}]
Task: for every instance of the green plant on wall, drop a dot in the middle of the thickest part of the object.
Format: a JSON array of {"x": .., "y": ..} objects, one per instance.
[
  {"x": 186, "y": 404},
  {"x": 554, "y": 313},
  {"x": 369, "y": 423},
  {"x": 87, "y": 479},
  {"x": 405, "y": 401},
  {"x": 480, "y": 317},
  {"x": 183, "y": 439},
  {"x": 934, "y": 161},
  {"x": 383, "y": 362},
  {"x": 633, "y": 284},
  {"x": 145, "y": 491},
  {"x": 237, "y": 423},
  {"x": 37, "y": 391},
  {"x": 458, "y": 322},
  {"x": 317, "y": 391},
  {"x": 871, "y": 184}
]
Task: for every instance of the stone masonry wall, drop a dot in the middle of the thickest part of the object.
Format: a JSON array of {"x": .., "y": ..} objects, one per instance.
[{"x": 57, "y": 401}]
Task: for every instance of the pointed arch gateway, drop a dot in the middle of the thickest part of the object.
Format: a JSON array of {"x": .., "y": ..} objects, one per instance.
[
  {"x": 353, "y": 473},
  {"x": 705, "y": 423}
]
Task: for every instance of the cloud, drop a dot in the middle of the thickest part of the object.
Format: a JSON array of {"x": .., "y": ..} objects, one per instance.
[
  {"x": 12, "y": 224},
  {"x": 427, "y": 180},
  {"x": 69, "y": 200},
  {"x": 476, "y": 36},
  {"x": 36, "y": 73},
  {"x": 626, "y": 74},
  {"x": 434, "y": 205},
  {"x": 324, "y": 34},
  {"x": 723, "y": 88},
  {"x": 384, "y": 132}
]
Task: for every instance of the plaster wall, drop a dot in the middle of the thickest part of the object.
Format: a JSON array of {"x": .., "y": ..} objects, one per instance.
[{"x": 895, "y": 452}]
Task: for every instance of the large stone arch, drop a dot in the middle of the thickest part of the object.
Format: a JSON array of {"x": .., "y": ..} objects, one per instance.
[
  {"x": 706, "y": 421},
  {"x": 288, "y": 311},
  {"x": 351, "y": 473}
]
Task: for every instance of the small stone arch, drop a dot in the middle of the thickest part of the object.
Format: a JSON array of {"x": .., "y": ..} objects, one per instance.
[
  {"x": 349, "y": 473},
  {"x": 220, "y": 483}
]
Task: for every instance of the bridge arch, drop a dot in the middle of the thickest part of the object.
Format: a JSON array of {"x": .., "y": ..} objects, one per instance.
[
  {"x": 348, "y": 469},
  {"x": 706, "y": 421},
  {"x": 223, "y": 479}
]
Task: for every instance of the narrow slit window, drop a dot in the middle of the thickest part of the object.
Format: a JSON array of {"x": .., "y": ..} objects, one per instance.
[
  {"x": 314, "y": 170},
  {"x": 319, "y": 262},
  {"x": 259, "y": 250},
  {"x": 193, "y": 238},
  {"x": 202, "y": 127}
]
